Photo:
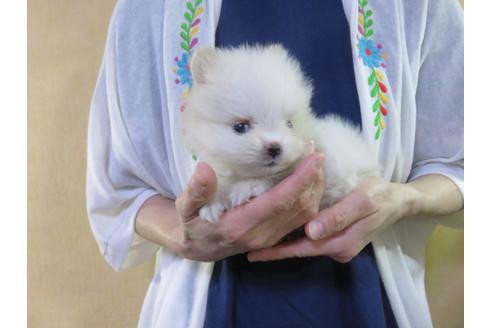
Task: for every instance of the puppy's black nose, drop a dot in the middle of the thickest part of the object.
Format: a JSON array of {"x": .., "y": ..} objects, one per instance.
[{"x": 274, "y": 150}]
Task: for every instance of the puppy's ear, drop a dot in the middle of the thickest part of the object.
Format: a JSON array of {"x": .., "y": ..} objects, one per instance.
[{"x": 201, "y": 61}]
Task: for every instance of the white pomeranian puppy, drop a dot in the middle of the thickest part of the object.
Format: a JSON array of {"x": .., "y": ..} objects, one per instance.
[{"x": 248, "y": 115}]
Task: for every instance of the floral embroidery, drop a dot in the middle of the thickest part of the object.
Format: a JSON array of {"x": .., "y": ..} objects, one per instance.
[
  {"x": 183, "y": 70},
  {"x": 189, "y": 30},
  {"x": 188, "y": 34},
  {"x": 372, "y": 57},
  {"x": 370, "y": 54}
]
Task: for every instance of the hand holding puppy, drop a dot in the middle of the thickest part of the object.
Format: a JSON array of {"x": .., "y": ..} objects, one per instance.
[
  {"x": 258, "y": 224},
  {"x": 343, "y": 230}
]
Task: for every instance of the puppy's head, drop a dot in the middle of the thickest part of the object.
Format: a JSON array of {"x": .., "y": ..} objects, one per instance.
[{"x": 246, "y": 108}]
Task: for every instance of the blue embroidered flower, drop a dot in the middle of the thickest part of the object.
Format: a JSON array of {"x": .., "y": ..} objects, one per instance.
[
  {"x": 183, "y": 71},
  {"x": 370, "y": 53}
]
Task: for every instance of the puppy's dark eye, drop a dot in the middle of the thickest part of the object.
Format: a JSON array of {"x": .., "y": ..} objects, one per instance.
[
  {"x": 241, "y": 127},
  {"x": 289, "y": 124}
]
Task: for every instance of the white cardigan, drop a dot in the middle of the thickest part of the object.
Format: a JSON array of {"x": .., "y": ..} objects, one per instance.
[{"x": 135, "y": 150}]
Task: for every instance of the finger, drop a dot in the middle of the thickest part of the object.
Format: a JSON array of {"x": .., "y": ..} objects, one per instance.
[
  {"x": 318, "y": 188},
  {"x": 309, "y": 148},
  {"x": 345, "y": 245},
  {"x": 199, "y": 191},
  {"x": 282, "y": 197},
  {"x": 342, "y": 247},
  {"x": 343, "y": 214},
  {"x": 302, "y": 247},
  {"x": 308, "y": 203}
]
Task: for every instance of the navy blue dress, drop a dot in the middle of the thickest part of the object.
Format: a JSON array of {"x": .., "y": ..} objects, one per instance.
[{"x": 307, "y": 292}]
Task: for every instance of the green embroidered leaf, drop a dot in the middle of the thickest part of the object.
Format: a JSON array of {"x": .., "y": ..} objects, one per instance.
[
  {"x": 369, "y": 33},
  {"x": 378, "y": 133},
  {"x": 185, "y": 27},
  {"x": 372, "y": 78},
  {"x": 189, "y": 5},
  {"x": 368, "y": 24},
  {"x": 368, "y": 14},
  {"x": 374, "y": 91},
  {"x": 197, "y": 2},
  {"x": 376, "y": 119},
  {"x": 376, "y": 105},
  {"x": 188, "y": 17},
  {"x": 185, "y": 47},
  {"x": 363, "y": 3},
  {"x": 185, "y": 36}
]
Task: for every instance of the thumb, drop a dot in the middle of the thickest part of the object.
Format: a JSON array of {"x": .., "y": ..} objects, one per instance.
[{"x": 199, "y": 191}]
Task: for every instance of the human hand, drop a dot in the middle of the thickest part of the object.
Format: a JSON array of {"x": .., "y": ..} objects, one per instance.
[
  {"x": 260, "y": 223},
  {"x": 343, "y": 230}
]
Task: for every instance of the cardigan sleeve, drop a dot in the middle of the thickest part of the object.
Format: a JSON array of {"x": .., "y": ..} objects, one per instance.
[
  {"x": 114, "y": 191},
  {"x": 439, "y": 95},
  {"x": 119, "y": 177}
]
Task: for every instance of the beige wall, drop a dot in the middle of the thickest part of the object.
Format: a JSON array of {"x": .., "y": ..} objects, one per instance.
[
  {"x": 69, "y": 284},
  {"x": 444, "y": 278}
]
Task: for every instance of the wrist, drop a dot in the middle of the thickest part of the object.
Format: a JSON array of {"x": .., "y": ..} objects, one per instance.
[
  {"x": 414, "y": 202},
  {"x": 157, "y": 221},
  {"x": 437, "y": 195}
]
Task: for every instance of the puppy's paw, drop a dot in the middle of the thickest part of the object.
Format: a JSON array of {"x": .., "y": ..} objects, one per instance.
[
  {"x": 242, "y": 192},
  {"x": 212, "y": 212}
]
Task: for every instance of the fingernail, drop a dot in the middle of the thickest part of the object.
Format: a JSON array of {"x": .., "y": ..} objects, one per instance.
[
  {"x": 315, "y": 230},
  {"x": 250, "y": 258},
  {"x": 309, "y": 148}
]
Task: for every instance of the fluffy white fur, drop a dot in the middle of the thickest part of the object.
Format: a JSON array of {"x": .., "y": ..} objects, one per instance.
[{"x": 265, "y": 87}]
